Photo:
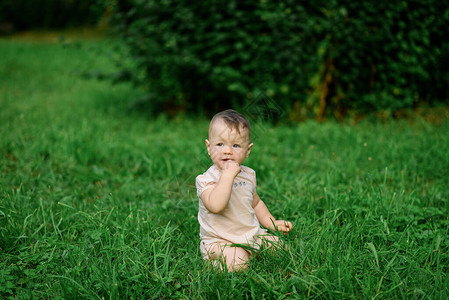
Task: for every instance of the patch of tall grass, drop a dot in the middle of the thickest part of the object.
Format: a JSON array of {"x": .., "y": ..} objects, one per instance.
[{"x": 97, "y": 201}]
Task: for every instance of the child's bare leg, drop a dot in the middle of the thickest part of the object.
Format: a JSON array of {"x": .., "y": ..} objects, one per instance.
[
  {"x": 270, "y": 239},
  {"x": 235, "y": 258},
  {"x": 272, "y": 242}
]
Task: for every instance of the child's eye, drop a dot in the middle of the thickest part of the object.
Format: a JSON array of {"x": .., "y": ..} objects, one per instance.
[
  {"x": 220, "y": 144},
  {"x": 236, "y": 146}
]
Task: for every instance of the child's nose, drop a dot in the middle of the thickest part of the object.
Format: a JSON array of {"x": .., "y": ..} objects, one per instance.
[{"x": 227, "y": 149}]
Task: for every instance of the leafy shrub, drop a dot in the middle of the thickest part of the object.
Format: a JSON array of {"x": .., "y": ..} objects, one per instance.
[
  {"x": 25, "y": 14},
  {"x": 314, "y": 58}
]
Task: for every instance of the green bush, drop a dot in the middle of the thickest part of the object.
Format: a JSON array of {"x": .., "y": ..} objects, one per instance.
[
  {"x": 31, "y": 14},
  {"x": 314, "y": 58}
]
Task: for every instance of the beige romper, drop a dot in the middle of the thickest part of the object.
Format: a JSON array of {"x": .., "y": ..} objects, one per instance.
[{"x": 237, "y": 223}]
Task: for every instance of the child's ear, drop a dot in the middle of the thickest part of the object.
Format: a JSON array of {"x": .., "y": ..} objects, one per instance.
[
  {"x": 250, "y": 146},
  {"x": 207, "y": 145}
]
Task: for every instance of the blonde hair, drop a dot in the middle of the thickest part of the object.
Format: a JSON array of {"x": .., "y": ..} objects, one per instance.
[{"x": 233, "y": 120}]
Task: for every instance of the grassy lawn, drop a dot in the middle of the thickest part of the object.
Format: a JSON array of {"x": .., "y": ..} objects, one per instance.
[{"x": 99, "y": 201}]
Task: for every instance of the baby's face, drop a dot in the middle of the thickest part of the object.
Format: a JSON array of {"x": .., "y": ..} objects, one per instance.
[{"x": 226, "y": 144}]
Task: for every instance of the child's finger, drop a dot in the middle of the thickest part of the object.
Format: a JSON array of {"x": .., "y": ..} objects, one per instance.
[
  {"x": 286, "y": 224},
  {"x": 283, "y": 228}
]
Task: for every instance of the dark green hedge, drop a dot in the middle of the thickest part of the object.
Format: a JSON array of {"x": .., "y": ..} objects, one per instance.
[
  {"x": 38, "y": 14},
  {"x": 313, "y": 58}
]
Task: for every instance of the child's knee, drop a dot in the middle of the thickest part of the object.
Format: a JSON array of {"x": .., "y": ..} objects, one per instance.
[
  {"x": 269, "y": 241},
  {"x": 236, "y": 258},
  {"x": 272, "y": 243},
  {"x": 240, "y": 254}
]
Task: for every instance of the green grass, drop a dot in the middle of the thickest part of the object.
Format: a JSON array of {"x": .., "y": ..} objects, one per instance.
[{"x": 99, "y": 201}]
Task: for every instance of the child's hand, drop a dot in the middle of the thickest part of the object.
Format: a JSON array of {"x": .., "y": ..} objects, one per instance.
[
  {"x": 284, "y": 226},
  {"x": 231, "y": 168}
]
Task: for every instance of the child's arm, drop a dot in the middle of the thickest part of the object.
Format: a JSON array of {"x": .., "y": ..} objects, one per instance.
[
  {"x": 266, "y": 219},
  {"x": 216, "y": 199}
]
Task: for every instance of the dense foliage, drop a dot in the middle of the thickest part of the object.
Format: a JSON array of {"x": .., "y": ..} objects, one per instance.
[
  {"x": 314, "y": 58},
  {"x": 25, "y": 14}
]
